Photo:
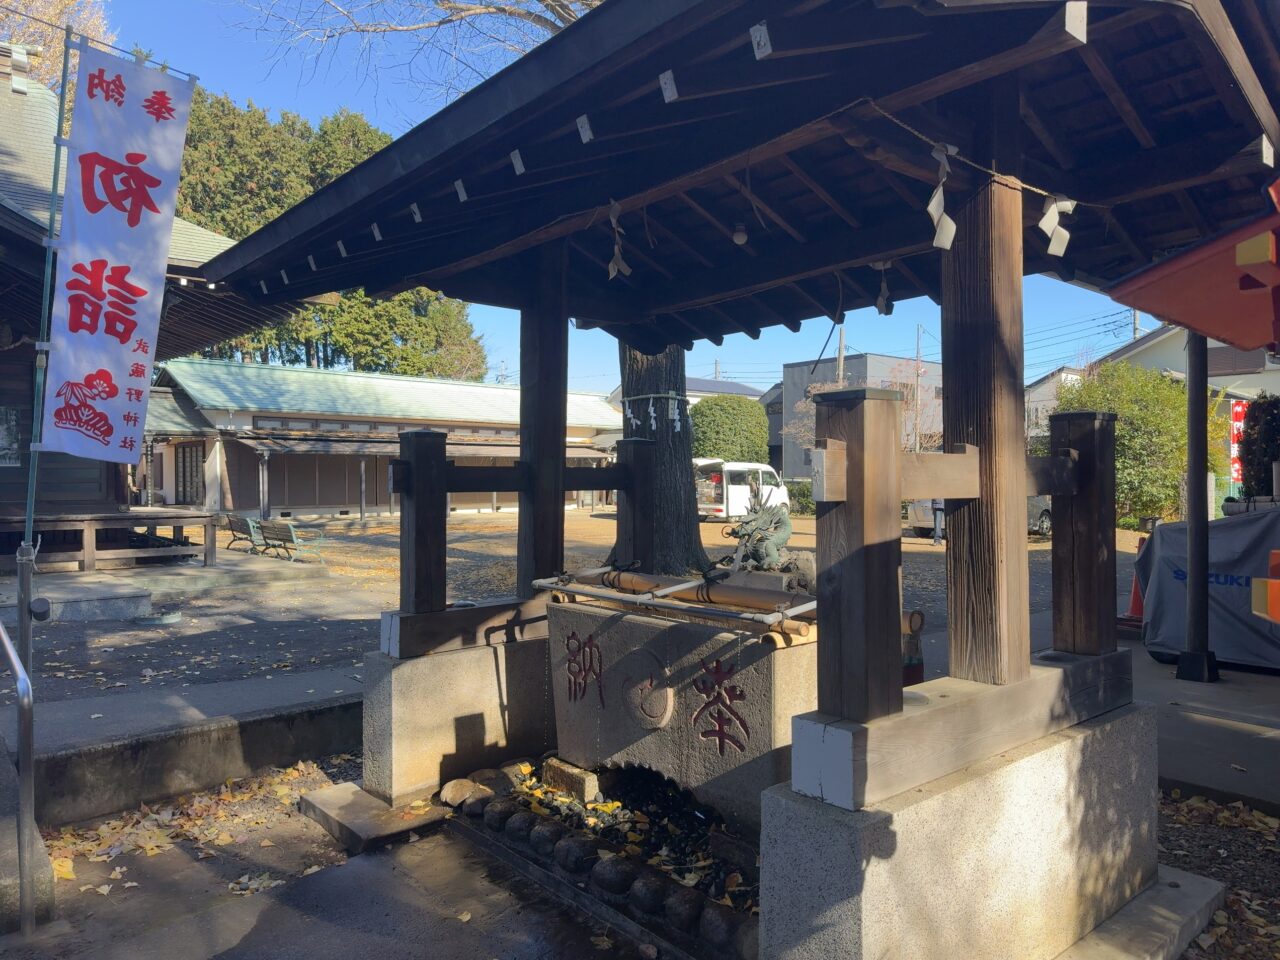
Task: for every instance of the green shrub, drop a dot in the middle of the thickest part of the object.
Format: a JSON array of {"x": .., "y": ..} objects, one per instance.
[
  {"x": 729, "y": 427},
  {"x": 801, "y": 492}
]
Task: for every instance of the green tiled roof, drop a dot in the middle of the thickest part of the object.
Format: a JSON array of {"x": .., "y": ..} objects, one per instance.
[
  {"x": 225, "y": 385},
  {"x": 173, "y": 414},
  {"x": 27, "y": 125}
]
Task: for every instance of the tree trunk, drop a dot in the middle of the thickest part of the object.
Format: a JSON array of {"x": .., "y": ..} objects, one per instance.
[
  {"x": 677, "y": 543},
  {"x": 310, "y": 346}
]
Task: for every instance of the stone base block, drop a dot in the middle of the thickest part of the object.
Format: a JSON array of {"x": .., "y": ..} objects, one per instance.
[
  {"x": 707, "y": 707},
  {"x": 360, "y": 821},
  {"x": 1017, "y": 856},
  {"x": 42, "y": 869},
  {"x": 431, "y": 719}
]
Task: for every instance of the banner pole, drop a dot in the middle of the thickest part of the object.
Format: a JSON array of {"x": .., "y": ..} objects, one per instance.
[{"x": 46, "y": 303}]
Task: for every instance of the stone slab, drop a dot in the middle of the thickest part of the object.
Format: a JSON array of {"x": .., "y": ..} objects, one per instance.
[
  {"x": 582, "y": 785},
  {"x": 708, "y": 707},
  {"x": 360, "y": 821},
  {"x": 1158, "y": 924},
  {"x": 432, "y": 719},
  {"x": 1016, "y": 856},
  {"x": 949, "y": 723}
]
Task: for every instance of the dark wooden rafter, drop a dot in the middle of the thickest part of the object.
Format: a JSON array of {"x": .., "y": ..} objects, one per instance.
[
  {"x": 929, "y": 289},
  {"x": 721, "y": 227},
  {"x": 818, "y": 190},
  {"x": 824, "y": 33},
  {"x": 1126, "y": 239}
]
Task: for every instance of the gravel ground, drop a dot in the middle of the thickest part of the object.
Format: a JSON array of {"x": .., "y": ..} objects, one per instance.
[
  {"x": 332, "y": 623},
  {"x": 1237, "y": 847}
]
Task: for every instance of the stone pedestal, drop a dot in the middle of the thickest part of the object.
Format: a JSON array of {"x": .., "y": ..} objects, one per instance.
[
  {"x": 430, "y": 719},
  {"x": 707, "y": 707},
  {"x": 1017, "y": 856}
]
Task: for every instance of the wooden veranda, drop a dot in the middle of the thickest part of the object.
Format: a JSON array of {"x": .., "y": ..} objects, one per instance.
[{"x": 653, "y": 132}]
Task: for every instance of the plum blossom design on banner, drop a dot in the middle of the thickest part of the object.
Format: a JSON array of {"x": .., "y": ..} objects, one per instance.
[{"x": 125, "y": 154}]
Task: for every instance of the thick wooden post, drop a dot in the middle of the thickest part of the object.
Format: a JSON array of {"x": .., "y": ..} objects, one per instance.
[
  {"x": 983, "y": 405},
  {"x": 419, "y": 477},
  {"x": 264, "y": 487},
  {"x": 544, "y": 385},
  {"x": 1084, "y": 535},
  {"x": 634, "y": 543},
  {"x": 859, "y": 534}
]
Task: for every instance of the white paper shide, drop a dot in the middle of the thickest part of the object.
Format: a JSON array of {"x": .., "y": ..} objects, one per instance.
[{"x": 123, "y": 162}]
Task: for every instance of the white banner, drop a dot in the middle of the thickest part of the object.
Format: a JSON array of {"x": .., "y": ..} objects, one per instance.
[{"x": 123, "y": 162}]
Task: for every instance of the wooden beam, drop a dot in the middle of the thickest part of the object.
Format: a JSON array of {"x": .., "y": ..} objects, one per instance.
[
  {"x": 930, "y": 290},
  {"x": 696, "y": 82},
  {"x": 819, "y": 191},
  {"x": 1036, "y": 124},
  {"x": 721, "y": 227},
  {"x": 827, "y": 254},
  {"x": 1191, "y": 210},
  {"x": 544, "y": 359},
  {"x": 1096, "y": 61},
  {"x": 459, "y": 628},
  {"x": 487, "y": 479},
  {"x": 1217, "y": 26},
  {"x": 1066, "y": 29},
  {"x": 778, "y": 38},
  {"x": 1127, "y": 240},
  {"x": 943, "y": 476},
  {"x": 859, "y": 558},
  {"x": 770, "y": 210},
  {"x": 615, "y": 477}
]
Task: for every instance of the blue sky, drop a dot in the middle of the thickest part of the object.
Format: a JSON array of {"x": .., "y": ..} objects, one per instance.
[{"x": 211, "y": 38}]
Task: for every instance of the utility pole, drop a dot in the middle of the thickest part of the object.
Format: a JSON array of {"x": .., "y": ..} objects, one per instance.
[
  {"x": 840, "y": 358},
  {"x": 717, "y": 374},
  {"x": 918, "y": 329},
  {"x": 1137, "y": 330}
]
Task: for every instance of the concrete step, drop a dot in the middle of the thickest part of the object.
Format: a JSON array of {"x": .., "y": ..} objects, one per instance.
[
  {"x": 99, "y": 755},
  {"x": 1158, "y": 924},
  {"x": 10, "y": 891}
]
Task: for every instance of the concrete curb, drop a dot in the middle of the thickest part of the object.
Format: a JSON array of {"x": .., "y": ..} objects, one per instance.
[{"x": 97, "y": 779}]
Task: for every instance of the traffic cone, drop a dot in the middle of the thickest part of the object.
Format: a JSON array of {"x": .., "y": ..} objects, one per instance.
[{"x": 1135, "y": 592}]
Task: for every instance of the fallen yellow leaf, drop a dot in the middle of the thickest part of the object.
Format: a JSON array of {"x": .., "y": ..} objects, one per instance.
[
  {"x": 266, "y": 843},
  {"x": 539, "y": 808},
  {"x": 224, "y": 839},
  {"x": 525, "y": 768},
  {"x": 63, "y": 868},
  {"x": 465, "y": 916}
]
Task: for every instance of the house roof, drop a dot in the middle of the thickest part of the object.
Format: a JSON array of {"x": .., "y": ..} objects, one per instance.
[
  {"x": 1148, "y": 339},
  {"x": 1056, "y": 372},
  {"x": 261, "y": 388},
  {"x": 171, "y": 413},
  {"x": 704, "y": 385}
]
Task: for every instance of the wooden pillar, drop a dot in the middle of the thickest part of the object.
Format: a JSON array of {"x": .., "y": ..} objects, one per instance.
[
  {"x": 634, "y": 539},
  {"x": 1084, "y": 535},
  {"x": 1197, "y": 661},
  {"x": 264, "y": 486},
  {"x": 859, "y": 556},
  {"x": 544, "y": 384},
  {"x": 364, "y": 489},
  {"x": 419, "y": 477},
  {"x": 983, "y": 404}
]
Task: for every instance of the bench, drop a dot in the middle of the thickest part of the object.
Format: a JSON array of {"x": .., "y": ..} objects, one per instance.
[
  {"x": 284, "y": 539},
  {"x": 246, "y": 530}
]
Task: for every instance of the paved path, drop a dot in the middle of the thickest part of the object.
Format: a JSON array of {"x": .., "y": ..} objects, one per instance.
[{"x": 434, "y": 898}]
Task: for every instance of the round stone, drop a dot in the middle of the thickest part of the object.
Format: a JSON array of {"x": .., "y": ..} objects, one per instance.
[
  {"x": 477, "y": 800},
  {"x": 455, "y": 791},
  {"x": 495, "y": 780},
  {"x": 718, "y": 924},
  {"x": 683, "y": 907},
  {"x": 519, "y": 824},
  {"x": 747, "y": 940},
  {"x": 614, "y": 875},
  {"x": 499, "y": 812},
  {"x": 545, "y": 835},
  {"x": 649, "y": 892},
  {"x": 575, "y": 854}
]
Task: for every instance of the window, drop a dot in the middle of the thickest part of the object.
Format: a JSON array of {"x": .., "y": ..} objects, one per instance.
[
  {"x": 268, "y": 423},
  {"x": 301, "y": 424},
  {"x": 774, "y": 408},
  {"x": 768, "y": 478},
  {"x": 329, "y": 425},
  {"x": 189, "y": 473}
]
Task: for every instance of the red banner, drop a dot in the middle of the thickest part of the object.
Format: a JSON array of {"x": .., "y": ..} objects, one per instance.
[{"x": 1238, "y": 410}]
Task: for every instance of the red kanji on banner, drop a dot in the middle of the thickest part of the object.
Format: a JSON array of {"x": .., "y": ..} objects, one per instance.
[
  {"x": 141, "y": 346},
  {"x": 125, "y": 186},
  {"x": 137, "y": 370},
  {"x": 95, "y": 284},
  {"x": 159, "y": 105},
  {"x": 112, "y": 90},
  {"x": 128, "y": 443},
  {"x": 133, "y": 396},
  {"x": 131, "y": 419}
]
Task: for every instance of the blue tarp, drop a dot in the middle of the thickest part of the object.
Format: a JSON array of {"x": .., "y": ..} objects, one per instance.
[{"x": 1239, "y": 550}]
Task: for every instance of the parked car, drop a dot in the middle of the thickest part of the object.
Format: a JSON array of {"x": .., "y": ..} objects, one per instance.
[
  {"x": 1039, "y": 517},
  {"x": 729, "y": 491}
]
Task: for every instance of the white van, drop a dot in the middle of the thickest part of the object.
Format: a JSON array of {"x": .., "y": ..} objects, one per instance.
[{"x": 726, "y": 490}]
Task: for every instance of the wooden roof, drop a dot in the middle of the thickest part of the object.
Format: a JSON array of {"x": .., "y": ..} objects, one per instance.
[{"x": 1151, "y": 113}]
